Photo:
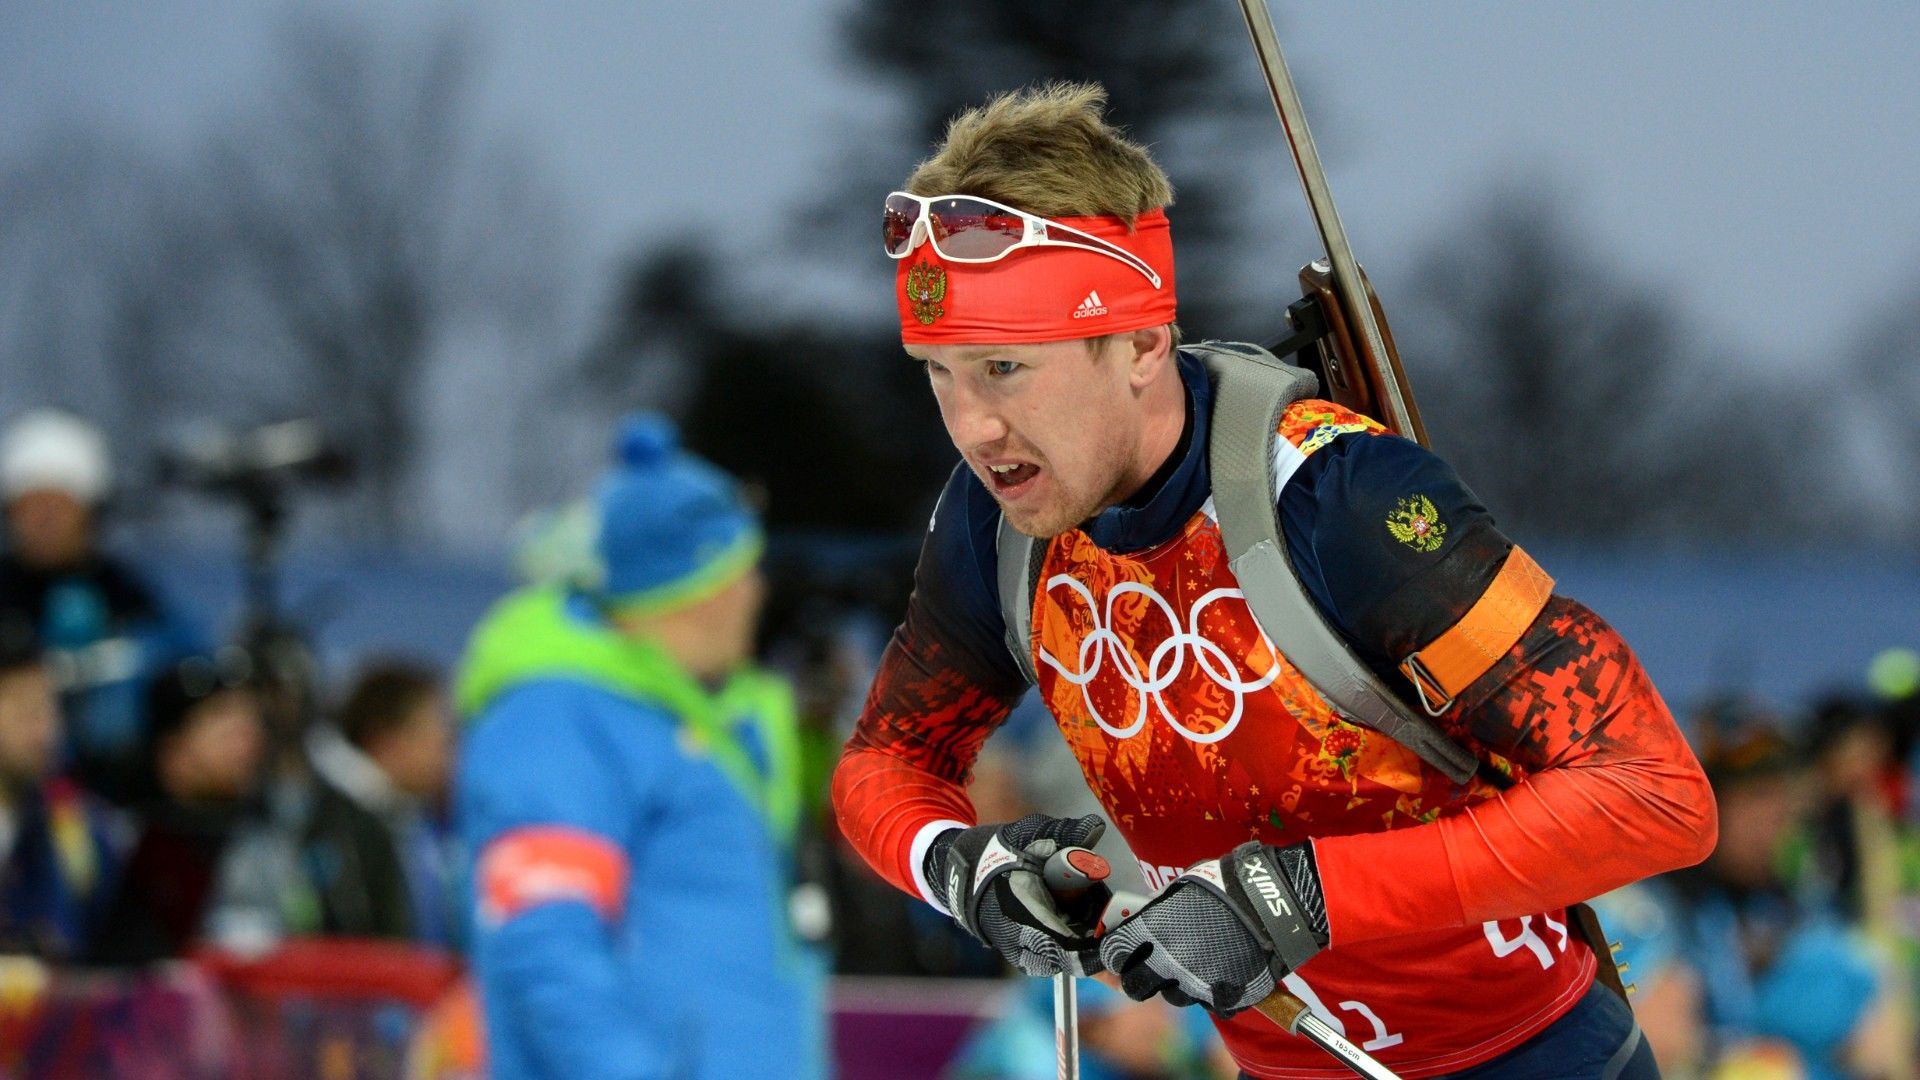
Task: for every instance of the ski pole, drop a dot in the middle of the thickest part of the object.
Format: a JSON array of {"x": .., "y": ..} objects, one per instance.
[
  {"x": 1068, "y": 873},
  {"x": 1072, "y": 870},
  {"x": 1295, "y": 1018}
]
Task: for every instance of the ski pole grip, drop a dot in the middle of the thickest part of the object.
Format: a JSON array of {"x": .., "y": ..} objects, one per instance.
[
  {"x": 1073, "y": 870},
  {"x": 1294, "y": 1018},
  {"x": 1282, "y": 1008}
]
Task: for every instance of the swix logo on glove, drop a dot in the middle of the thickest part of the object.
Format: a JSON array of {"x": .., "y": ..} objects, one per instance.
[
  {"x": 1257, "y": 879},
  {"x": 956, "y": 899}
]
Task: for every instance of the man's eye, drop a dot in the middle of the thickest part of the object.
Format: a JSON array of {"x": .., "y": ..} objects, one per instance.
[{"x": 1002, "y": 367}]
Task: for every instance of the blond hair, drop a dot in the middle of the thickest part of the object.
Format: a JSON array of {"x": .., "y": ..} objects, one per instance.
[{"x": 1047, "y": 150}]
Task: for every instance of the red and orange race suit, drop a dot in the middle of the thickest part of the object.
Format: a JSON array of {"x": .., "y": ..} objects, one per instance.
[{"x": 1445, "y": 902}]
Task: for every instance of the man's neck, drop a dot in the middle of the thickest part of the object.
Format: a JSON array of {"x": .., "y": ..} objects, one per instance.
[
  {"x": 1167, "y": 446},
  {"x": 679, "y": 635}
]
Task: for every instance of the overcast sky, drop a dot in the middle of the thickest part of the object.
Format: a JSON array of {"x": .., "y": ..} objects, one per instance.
[{"x": 1759, "y": 159}]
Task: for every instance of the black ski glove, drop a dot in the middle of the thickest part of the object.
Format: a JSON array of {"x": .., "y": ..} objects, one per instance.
[
  {"x": 990, "y": 877},
  {"x": 1225, "y": 932}
]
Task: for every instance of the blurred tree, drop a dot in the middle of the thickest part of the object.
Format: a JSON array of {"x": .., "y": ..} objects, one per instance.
[
  {"x": 1575, "y": 402},
  {"x": 93, "y": 274},
  {"x": 366, "y": 222},
  {"x": 1180, "y": 75},
  {"x": 771, "y": 403},
  {"x": 1881, "y": 375},
  {"x": 338, "y": 194},
  {"x": 344, "y": 231}
]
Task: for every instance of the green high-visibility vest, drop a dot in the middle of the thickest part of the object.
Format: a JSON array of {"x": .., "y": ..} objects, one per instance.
[{"x": 530, "y": 636}]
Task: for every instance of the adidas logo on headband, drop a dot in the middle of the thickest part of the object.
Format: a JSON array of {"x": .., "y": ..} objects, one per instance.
[{"x": 1090, "y": 307}]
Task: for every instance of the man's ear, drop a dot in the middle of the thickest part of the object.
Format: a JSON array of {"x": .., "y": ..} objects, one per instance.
[{"x": 1150, "y": 352}]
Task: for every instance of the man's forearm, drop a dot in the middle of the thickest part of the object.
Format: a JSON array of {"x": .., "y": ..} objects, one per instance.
[
  {"x": 905, "y": 769},
  {"x": 1615, "y": 795},
  {"x": 886, "y": 807}
]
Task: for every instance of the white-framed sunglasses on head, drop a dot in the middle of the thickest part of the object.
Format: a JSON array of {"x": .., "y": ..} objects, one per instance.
[{"x": 970, "y": 229}]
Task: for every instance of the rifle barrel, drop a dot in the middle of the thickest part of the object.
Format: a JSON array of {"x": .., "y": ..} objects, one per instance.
[{"x": 1346, "y": 270}]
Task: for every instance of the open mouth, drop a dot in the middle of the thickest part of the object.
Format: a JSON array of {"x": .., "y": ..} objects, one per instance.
[{"x": 1012, "y": 479}]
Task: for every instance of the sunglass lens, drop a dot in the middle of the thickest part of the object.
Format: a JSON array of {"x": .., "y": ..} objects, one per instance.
[
  {"x": 896, "y": 223},
  {"x": 971, "y": 229}
]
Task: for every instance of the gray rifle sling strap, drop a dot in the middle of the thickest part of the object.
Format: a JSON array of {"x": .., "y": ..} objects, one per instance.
[{"x": 1250, "y": 463}]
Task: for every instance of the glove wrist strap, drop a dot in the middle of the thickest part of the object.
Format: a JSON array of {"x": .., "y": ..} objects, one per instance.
[
  {"x": 1264, "y": 888},
  {"x": 933, "y": 864}
]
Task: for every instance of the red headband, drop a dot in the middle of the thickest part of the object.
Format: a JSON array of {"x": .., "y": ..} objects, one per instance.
[{"x": 1039, "y": 293}]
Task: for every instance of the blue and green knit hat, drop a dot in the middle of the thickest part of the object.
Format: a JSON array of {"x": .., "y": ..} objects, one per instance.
[{"x": 672, "y": 527}]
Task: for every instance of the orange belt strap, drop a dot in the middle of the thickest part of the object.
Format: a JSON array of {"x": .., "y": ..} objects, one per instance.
[{"x": 1449, "y": 663}]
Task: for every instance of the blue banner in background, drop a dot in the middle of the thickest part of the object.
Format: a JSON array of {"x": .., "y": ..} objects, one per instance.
[{"x": 1784, "y": 627}]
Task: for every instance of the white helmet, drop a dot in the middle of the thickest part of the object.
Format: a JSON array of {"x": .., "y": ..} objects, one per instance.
[{"x": 50, "y": 449}]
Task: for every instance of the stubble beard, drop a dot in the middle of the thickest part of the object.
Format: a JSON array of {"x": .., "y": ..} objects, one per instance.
[
  {"x": 1057, "y": 517},
  {"x": 1043, "y": 526}
]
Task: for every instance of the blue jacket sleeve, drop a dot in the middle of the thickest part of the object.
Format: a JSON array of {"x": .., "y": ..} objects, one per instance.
[
  {"x": 550, "y": 973},
  {"x": 553, "y": 969}
]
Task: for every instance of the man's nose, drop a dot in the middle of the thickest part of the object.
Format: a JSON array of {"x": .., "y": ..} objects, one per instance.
[{"x": 972, "y": 421}]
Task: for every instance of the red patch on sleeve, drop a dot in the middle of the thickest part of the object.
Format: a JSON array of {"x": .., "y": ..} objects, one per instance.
[{"x": 545, "y": 864}]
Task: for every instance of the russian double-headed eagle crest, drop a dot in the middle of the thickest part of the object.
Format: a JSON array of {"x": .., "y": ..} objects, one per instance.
[
  {"x": 926, "y": 288},
  {"x": 1416, "y": 523}
]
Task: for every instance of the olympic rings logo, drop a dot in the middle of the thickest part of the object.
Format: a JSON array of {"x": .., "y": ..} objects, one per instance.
[{"x": 1169, "y": 659}]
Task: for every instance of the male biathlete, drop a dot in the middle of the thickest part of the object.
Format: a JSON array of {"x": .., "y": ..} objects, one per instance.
[{"x": 1425, "y": 917}]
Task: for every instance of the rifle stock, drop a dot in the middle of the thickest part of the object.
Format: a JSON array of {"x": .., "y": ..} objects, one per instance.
[{"x": 1349, "y": 373}]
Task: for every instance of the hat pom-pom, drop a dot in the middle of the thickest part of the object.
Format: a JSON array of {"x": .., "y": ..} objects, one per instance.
[{"x": 647, "y": 439}]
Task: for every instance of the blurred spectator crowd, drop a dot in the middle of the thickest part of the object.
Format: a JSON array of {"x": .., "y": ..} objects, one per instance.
[
  {"x": 158, "y": 791},
  {"x": 165, "y": 797},
  {"x": 160, "y": 795},
  {"x": 1794, "y": 949}
]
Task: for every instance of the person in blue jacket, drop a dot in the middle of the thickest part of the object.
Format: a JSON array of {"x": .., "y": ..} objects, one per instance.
[{"x": 630, "y": 788}]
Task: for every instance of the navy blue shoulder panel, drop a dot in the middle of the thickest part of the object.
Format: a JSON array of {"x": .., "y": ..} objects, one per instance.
[
  {"x": 1389, "y": 542},
  {"x": 956, "y": 592}
]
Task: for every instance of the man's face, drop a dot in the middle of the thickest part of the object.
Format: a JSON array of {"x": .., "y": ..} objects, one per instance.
[
  {"x": 217, "y": 753},
  {"x": 418, "y": 755},
  {"x": 1756, "y": 814},
  {"x": 1054, "y": 430},
  {"x": 29, "y": 725},
  {"x": 50, "y": 530},
  {"x": 712, "y": 637},
  {"x": 732, "y": 616}
]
